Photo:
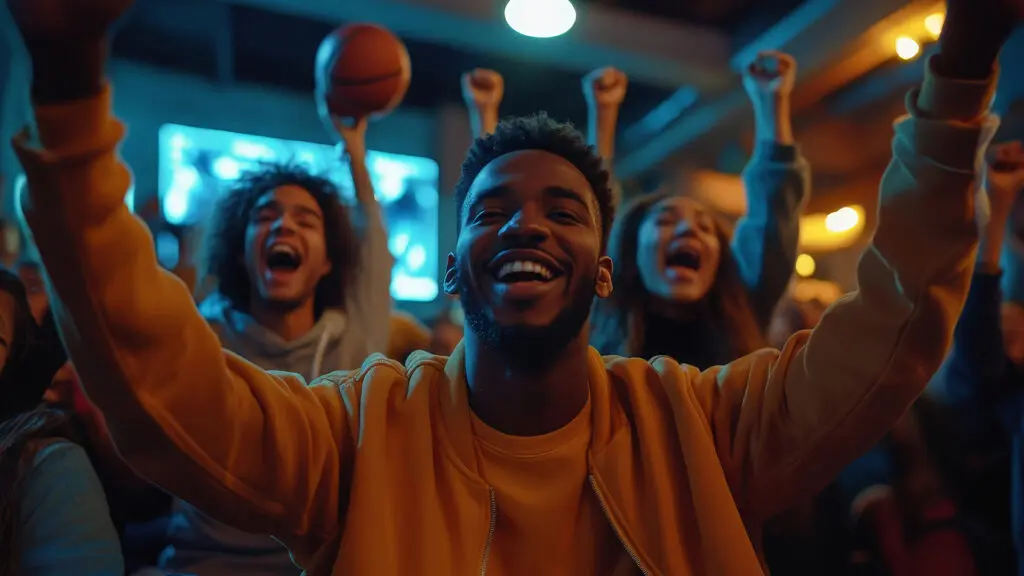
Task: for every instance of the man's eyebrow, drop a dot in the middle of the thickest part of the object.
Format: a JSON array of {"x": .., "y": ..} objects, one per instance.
[
  {"x": 492, "y": 193},
  {"x": 565, "y": 194}
]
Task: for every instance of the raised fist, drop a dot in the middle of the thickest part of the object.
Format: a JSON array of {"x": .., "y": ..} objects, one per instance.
[
  {"x": 483, "y": 88},
  {"x": 1004, "y": 176},
  {"x": 605, "y": 87},
  {"x": 65, "y": 22},
  {"x": 977, "y": 18},
  {"x": 771, "y": 73}
]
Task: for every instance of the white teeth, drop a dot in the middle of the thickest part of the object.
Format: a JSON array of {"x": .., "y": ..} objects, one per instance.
[
  {"x": 524, "y": 266},
  {"x": 282, "y": 249}
]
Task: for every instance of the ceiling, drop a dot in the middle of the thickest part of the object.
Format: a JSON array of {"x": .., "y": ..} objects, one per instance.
[
  {"x": 269, "y": 48},
  {"x": 742, "y": 18},
  {"x": 850, "y": 84}
]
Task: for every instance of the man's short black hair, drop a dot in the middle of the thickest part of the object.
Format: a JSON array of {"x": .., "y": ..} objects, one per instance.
[
  {"x": 540, "y": 132},
  {"x": 225, "y": 238}
]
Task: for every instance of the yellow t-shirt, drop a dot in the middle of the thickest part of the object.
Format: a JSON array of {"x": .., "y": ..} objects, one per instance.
[{"x": 549, "y": 522}]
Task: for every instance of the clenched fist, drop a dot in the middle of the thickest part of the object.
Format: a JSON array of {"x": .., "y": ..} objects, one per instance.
[
  {"x": 605, "y": 87},
  {"x": 66, "y": 41},
  {"x": 52, "y": 23},
  {"x": 483, "y": 89},
  {"x": 771, "y": 73}
]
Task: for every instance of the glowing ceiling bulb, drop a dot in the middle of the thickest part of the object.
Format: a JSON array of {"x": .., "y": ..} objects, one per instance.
[
  {"x": 933, "y": 23},
  {"x": 906, "y": 47},
  {"x": 540, "y": 18},
  {"x": 805, "y": 265}
]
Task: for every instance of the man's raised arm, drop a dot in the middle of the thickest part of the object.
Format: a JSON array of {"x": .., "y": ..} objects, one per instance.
[
  {"x": 257, "y": 450},
  {"x": 786, "y": 423}
]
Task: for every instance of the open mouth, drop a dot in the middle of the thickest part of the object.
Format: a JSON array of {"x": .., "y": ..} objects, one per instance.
[
  {"x": 283, "y": 258},
  {"x": 524, "y": 266},
  {"x": 683, "y": 258},
  {"x": 523, "y": 271}
]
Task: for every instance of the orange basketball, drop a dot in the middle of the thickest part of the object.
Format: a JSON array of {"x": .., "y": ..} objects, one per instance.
[{"x": 362, "y": 70}]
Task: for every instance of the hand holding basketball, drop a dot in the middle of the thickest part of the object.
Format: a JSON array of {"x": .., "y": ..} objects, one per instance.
[
  {"x": 361, "y": 70},
  {"x": 605, "y": 87},
  {"x": 483, "y": 89}
]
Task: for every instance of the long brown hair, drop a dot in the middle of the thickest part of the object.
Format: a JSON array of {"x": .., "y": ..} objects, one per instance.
[{"x": 618, "y": 322}]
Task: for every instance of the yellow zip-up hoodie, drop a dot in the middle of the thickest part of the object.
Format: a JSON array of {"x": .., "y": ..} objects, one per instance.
[{"x": 373, "y": 472}]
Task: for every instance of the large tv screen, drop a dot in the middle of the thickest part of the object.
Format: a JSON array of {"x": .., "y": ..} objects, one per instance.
[{"x": 197, "y": 165}]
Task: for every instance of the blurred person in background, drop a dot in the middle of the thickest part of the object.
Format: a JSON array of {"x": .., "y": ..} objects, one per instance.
[
  {"x": 303, "y": 285},
  {"x": 985, "y": 369},
  {"x": 914, "y": 524},
  {"x": 683, "y": 288},
  {"x": 54, "y": 517}
]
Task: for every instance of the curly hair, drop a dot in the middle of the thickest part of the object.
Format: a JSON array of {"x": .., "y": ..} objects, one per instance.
[
  {"x": 618, "y": 323},
  {"x": 540, "y": 132},
  {"x": 225, "y": 238}
]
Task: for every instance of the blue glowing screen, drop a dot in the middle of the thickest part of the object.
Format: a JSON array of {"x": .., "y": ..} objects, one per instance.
[{"x": 196, "y": 165}]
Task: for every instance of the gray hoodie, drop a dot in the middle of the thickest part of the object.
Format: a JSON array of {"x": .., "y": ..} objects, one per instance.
[{"x": 340, "y": 340}]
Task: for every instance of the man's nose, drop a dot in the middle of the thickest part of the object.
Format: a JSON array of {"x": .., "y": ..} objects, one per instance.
[{"x": 525, "y": 228}]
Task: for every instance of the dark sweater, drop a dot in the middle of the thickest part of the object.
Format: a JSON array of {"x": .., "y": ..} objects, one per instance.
[{"x": 978, "y": 374}]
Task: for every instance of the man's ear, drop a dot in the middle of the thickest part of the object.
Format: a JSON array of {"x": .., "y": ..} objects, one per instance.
[
  {"x": 451, "y": 277},
  {"x": 603, "y": 285}
]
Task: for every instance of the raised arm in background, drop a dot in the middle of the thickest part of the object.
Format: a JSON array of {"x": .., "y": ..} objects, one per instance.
[
  {"x": 201, "y": 423},
  {"x": 777, "y": 181},
  {"x": 483, "y": 90},
  {"x": 978, "y": 369},
  {"x": 371, "y": 290},
  {"x": 604, "y": 90},
  {"x": 786, "y": 422}
]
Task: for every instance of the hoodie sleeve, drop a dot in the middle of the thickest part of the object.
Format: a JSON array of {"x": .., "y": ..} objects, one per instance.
[
  {"x": 786, "y": 422},
  {"x": 202, "y": 423},
  {"x": 371, "y": 297},
  {"x": 777, "y": 181}
]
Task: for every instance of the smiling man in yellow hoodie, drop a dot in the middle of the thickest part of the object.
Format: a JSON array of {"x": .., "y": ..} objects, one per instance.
[{"x": 525, "y": 452}]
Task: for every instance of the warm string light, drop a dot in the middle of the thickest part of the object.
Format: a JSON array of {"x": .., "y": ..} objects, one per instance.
[
  {"x": 842, "y": 220},
  {"x": 933, "y": 23},
  {"x": 908, "y": 48},
  {"x": 805, "y": 265}
]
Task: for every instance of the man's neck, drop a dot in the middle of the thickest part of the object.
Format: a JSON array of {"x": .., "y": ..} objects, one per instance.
[
  {"x": 289, "y": 324},
  {"x": 521, "y": 404}
]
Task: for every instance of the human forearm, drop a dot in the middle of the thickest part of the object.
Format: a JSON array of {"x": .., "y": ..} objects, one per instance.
[
  {"x": 773, "y": 119},
  {"x": 876, "y": 348},
  {"x": 601, "y": 131}
]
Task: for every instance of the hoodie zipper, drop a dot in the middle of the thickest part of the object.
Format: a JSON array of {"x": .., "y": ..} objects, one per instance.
[
  {"x": 615, "y": 527},
  {"x": 490, "y": 531}
]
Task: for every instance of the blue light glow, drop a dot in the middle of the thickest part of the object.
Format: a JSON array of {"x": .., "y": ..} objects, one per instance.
[{"x": 196, "y": 164}]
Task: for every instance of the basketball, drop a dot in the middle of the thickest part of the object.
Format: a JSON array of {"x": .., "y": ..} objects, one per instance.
[{"x": 362, "y": 70}]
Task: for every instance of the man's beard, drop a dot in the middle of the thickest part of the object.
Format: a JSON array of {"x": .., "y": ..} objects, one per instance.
[{"x": 529, "y": 349}]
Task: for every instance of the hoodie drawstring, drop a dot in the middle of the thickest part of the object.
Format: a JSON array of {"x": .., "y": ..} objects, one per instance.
[{"x": 318, "y": 358}]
